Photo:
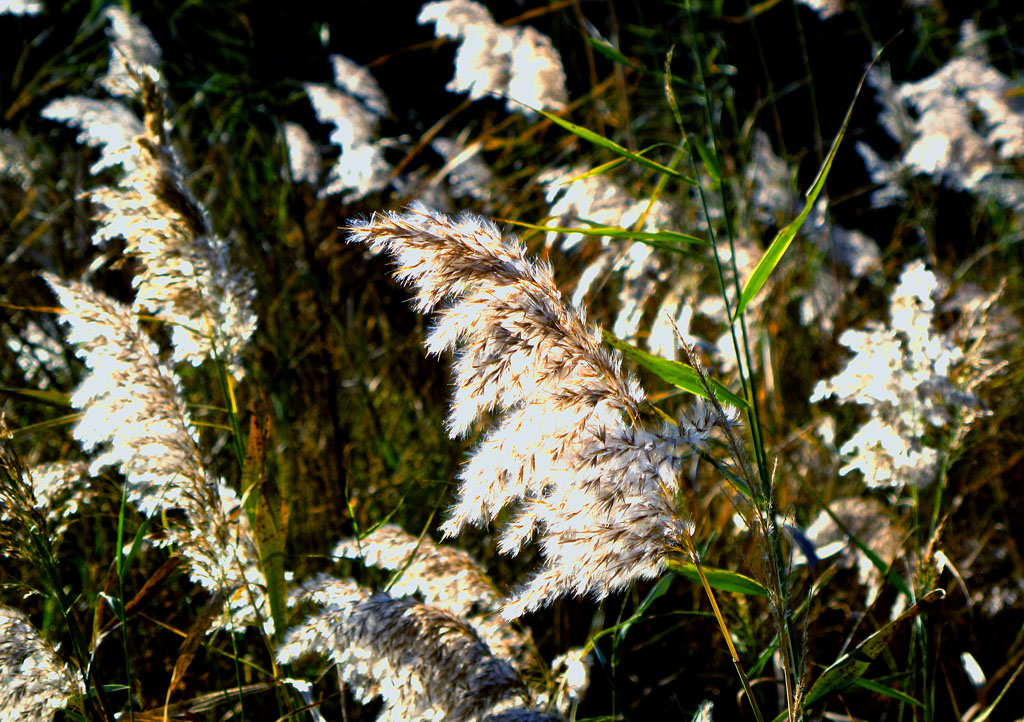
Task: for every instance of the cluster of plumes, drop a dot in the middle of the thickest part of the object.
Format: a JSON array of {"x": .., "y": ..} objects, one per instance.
[
  {"x": 424, "y": 661},
  {"x": 134, "y": 414},
  {"x": 596, "y": 490},
  {"x": 962, "y": 126},
  {"x": 519, "y": 64},
  {"x": 912, "y": 378},
  {"x": 354, "y": 106},
  {"x": 34, "y": 682},
  {"x": 186, "y": 275}
]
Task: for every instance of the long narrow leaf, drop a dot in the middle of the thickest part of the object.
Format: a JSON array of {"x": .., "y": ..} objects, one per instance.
[
  {"x": 678, "y": 374},
  {"x": 887, "y": 691},
  {"x": 723, "y": 579},
  {"x": 602, "y": 142},
  {"x": 669, "y": 241},
  {"x": 780, "y": 244}
]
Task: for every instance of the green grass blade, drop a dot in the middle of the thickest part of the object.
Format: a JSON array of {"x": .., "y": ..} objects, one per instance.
[
  {"x": 885, "y": 690},
  {"x": 723, "y": 579},
  {"x": 785, "y": 237},
  {"x": 602, "y": 142},
  {"x": 603, "y": 168},
  {"x": 669, "y": 241},
  {"x": 849, "y": 668},
  {"x": 707, "y": 157},
  {"x": 678, "y": 374}
]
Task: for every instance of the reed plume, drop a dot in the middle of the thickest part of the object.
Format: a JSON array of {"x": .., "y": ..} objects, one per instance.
[
  {"x": 134, "y": 413},
  {"x": 186, "y": 275},
  {"x": 596, "y": 488},
  {"x": 425, "y": 662},
  {"x": 449, "y": 579},
  {"x": 34, "y": 682}
]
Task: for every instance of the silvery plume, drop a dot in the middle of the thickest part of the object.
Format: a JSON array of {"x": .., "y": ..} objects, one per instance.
[
  {"x": 518, "y": 63},
  {"x": 447, "y": 578},
  {"x": 425, "y": 662},
  {"x": 134, "y": 415},
  {"x": 187, "y": 277},
  {"x": 354, "y": 106},
  {"x": 907, "y": 375},
  {"x": 34, "y": 682},
  {"x": 962, "y": 126},
  {"x": 593, "y": 486}
]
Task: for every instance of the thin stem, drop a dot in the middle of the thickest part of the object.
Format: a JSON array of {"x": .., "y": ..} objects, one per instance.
[{"x": 747, "y": 689}]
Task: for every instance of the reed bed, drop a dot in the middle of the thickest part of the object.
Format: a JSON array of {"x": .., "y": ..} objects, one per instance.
[{"x": 505, "y": 362}]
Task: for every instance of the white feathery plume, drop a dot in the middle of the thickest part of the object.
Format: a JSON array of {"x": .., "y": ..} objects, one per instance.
[
  {"x": 34, "y": 682},
  {"x": 303, "y": 157},
  {"x": 425, "y": 662},
  {"x": 357, "y": 81},
  {"x": 467, "y": 173},
  {"x": 105, "y": 124},
  {"x": 962, "y": 126},
  {"x": 354, "y": 125},
  {"x": 60, "y": 489},
  {"x": 353, "y": 108},
  {"x": 187, "y": 277},
  {"x": 536, "y": 78},
  {"x": 598, "y": 492},
  {"x": 39, "y": 354},
  {"x": 447, "y": 578},
  {"x": 134, "y": 412},
  {"x": 520, "y": 64},
  {"x": 133, "y": 51},
  {"x": 905, "y": 375}
]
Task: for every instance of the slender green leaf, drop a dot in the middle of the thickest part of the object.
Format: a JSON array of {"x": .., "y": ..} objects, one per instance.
[
  {"x": 669, "y": 241},
  {"x": 851, "y": 666},
  {"x": 678, "y": 374},
  {"x": 887, "y": 691},
  {"x": 659, "y": 590},
  {"x": 54, "y": 398},
  {"x": 707, "y": 156},
  {"x": 603, "y": 168},
  {"x": 140, "y": 536},
  {"x": 780, "y": 244},
  {"x": 611, "y": 53},
  {"x": 723, "y": 579},
  {"x": 602, "y": 142}
]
